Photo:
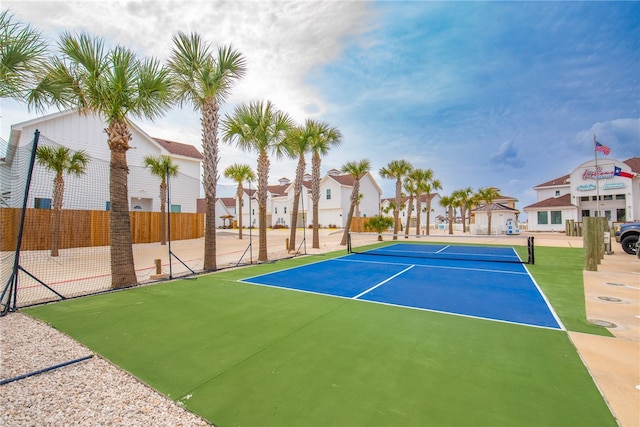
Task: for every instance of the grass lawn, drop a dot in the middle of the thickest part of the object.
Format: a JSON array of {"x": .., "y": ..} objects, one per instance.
[{"x": 240, "y": 354}]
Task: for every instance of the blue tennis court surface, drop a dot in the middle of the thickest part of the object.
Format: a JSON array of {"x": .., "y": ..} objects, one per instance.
[{"x": 422, "y": 277}]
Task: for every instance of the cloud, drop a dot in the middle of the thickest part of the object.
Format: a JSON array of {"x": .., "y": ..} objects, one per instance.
[
  {"x": 621, "y": 135},
  {"x": 282, "y": 41},
  {"x": 507, "y": 155}
]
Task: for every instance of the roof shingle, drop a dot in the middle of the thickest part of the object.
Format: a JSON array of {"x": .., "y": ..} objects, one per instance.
[
  {"x": 553, "y": 202},
  {"x": 180, "y": 149}
]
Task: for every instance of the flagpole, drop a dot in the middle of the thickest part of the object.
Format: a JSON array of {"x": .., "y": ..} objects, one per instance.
[{"x": 595, "y": 154}]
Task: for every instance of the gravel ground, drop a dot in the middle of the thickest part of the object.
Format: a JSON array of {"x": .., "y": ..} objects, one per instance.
[{"x": 89, "y": 393}]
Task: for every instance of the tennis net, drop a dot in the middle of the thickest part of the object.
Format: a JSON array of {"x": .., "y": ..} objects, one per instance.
[{"x": 517, "y": 250}]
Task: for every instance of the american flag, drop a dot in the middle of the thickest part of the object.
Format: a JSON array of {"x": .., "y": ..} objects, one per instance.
[{"x": 602, "y": 148}]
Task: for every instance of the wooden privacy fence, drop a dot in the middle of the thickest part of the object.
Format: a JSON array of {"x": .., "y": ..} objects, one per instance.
[{"x": 81, "y": 228}]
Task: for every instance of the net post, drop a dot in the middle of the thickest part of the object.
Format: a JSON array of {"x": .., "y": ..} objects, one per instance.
[
  {"x": 11, "y": 288},
  {"x": 531, "y": 250}
]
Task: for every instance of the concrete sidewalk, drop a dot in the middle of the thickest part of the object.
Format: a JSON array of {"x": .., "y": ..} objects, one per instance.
[{"x": 612, "y": 297}]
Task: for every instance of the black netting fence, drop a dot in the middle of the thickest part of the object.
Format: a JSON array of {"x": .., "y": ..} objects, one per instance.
[{"x": 48, "y": 254}]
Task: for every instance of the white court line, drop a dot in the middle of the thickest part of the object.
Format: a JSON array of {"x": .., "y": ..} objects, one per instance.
[
  {"x": 383, "y": 282},
  {"x": 485, "y": 270},
  {"x": 443, "y": 249}
]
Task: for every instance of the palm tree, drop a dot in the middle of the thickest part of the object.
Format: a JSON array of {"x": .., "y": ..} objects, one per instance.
[
  {"x": 326, "y": 137},
  {"x": 240, "y": 173},
  {"x": 420, "y": 178},
  {"x": 357, "y": 170},
  {"x": 205, "y": 79},
  {"x": 465, "y": 198},
  {"x": 430, "y": 187},
  {"x": 60, "y": 160},
  {"x": 298, "y": 143},
  {"x": 22, "y": 58},
  {"x": 449, "y": 203},
  {"x": 162, "y": 167},
  {"x": 261, "y": 127},
  {"x": 488, "y": 195},
  {"x": 115, "y": 84},
  {"x": 396, "y": 169}
]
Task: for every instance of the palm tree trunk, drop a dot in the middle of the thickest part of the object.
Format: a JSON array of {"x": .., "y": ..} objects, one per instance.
[
  {"x": 239, "y": 195},
  {"x": 297, "y": 184},
  {"x": 463, "y": 213},
  {"x": 396, "y": 211},
  {"x": 315, "y": 198},
  {"x": 263, "y": 177},
  {"x": 58, "y": 194},
  {"x": 347, "y": 226},
  {"x": 418, "y": 214},
  {"x": 451, "y": 212},
  {"x": 210, "y": 180},
  {"x": 428, "y": 224},
  {"x": 409, "y": 209},
  {"x": 163, "y": 222},
  {"x": 488, "y": 220},
  {"x": 352, "y": 207},
  {"x": 122, "y": 267}
]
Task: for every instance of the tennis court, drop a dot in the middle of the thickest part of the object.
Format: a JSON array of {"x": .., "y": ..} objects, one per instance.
[
  {"x": 483, "y": 282},
  {"x": 238, "y": 353}
]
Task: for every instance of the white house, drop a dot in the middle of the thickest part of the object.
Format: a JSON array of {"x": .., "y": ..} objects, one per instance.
[
  {"x": 612, "y": 190},
  {"x": 333, "y": 206},
  {"x": 91, "y": 190},
  {"x": 279, "y": 204},
  {"x": 335, "y": 198}
]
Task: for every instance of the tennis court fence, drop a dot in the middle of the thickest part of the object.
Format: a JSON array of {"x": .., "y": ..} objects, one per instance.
[{"x": 50, "y": 252}]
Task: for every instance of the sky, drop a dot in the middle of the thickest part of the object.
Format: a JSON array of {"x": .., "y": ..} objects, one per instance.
[{"x": 501, "y": 94}]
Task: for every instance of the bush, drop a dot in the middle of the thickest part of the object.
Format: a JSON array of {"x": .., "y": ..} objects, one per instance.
[{"x": 378, "y": 223}]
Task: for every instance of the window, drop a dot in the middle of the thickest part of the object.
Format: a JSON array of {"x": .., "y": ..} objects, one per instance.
[
  {"x": 107, "y": 206},
  {"x": 594, "y": 198},
  {"x": 543, "y": 217},
  {"x": 556, "y": 217},
  {"x": 619, "y": 196},
  {"x": 621, "y": 215},
  {"x": 253, "y": 211},
  {"x": 275, "y": 210},
  {"x": 585, "y": 213},
  {"x": 42, "y": 203},
  {"x": 608, "y": 197},
  {"x": 607, "y": 215},
  {"x": 285, "y": 209},
  {"x": 328, "y": 194},
  {"x": 557, "y": 193},
  {"x": 584, "y": 198},
  {"x": 176, "y": 208}
]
